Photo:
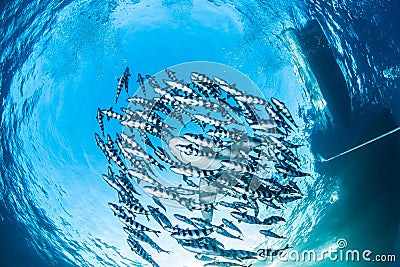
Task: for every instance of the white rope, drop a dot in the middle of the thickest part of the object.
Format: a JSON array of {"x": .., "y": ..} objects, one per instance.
[{"x": 359, "y": 146}]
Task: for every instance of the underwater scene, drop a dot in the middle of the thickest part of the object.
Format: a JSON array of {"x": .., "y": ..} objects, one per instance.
[{"x": 200, "y": 133}]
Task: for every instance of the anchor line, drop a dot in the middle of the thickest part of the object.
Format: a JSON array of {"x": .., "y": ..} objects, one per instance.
[{"x": 363, "y": 144}]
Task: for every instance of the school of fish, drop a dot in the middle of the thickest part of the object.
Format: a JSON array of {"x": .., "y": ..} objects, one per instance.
[{"x": 246, "y": 162}]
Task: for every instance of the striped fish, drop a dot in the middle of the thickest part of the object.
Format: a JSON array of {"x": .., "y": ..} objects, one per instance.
[
  {"x": 193, "y": 150},
  {"x": 99, "y": 118},
  {"x": 113, "y": 154},
  {"x": 139, "y": 250},
  {"x": 283, "y": 110},
  {"x": 180, "y": 87},
  {"x": 200, "y": 248},
  {"x": 230, "y": 89},
  {"x": 192, "y": 171},
  {"x": 154, "y": 119},
  {"x": 273, "y": 219},
  {"x": 162, "y": 154},
  {"x": 191, "y": 233},
  {"x": 185, "y": 219},
  {"x": 126, "y": 184},
  {"x": 143, "y": 177},
  {"x": 121, "y": 82},
  {"x": 160, "y": 217},
  {"x": 140, "y": 80},
  {"x": 287, "y": 199},
  {"x": 190, "y": 182},
  {"x": 136, "y": 208},
  {"x": 231, "y": 225},
  {"x": 224, "y": 133},
  {"x": 158, "y": 202},
  {"x": 238, "y": 166},
  {"x": 244, "y": 217},
  {"x": 144, "y": 102},
  {"x": 239, "y": 254},
  {"x": 201, "y": 140},
  {"x": 211, "y": 121},
  {"x": 141, "y": 236},
  {"x": 271, "y": 234},
  {"x": 290, "y": 171},
  {"x": 130, "y": 222},
  {"x": 171, "y": 75},
  {"x": 251, "y": 99},
  {"x": 126, "y": 76},
  {"x": 203, "y": 79},
  {"x": 100, "y": 143}
]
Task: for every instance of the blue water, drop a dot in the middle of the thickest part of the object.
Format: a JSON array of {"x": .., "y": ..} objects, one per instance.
[{"x": 60, "y": 61}]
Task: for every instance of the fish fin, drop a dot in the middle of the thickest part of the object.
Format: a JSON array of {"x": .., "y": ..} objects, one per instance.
[{"x": 156, "y": 233}]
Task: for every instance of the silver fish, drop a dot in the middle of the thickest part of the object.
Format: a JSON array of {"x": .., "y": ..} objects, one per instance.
[
  {"x": 126, "y": 76},
  {"x": 283, "y": 110},
  {"x": 230, "y": 89},
  {"x": 180, "y": 86},
  {"x": 239, "y": 166},
  {"x": 99, "y": 118},
  {"x": 100, "y": 143},
  {"x": 203, "y": 257},
  {"x": 273, "y": 219},
  {"x": 140, "y": 80},
  {"x": 231, "y": 225},
  {"x": 160, "y": 217},
  {"x": 290, "y": 172},
  {"x": 271, "y": 234},
  {"x": 158, "y": 202},
  {"x": 139, "y": 250},
  {"x": 144, "y": 102},
  {"x": 224, "y": 133},
  {"x": 287, "y": 199},
  {"x": 129, "y": 221},
  {"x": 171, "y": 75},
  {"x": 201, "y": 140},
  {"x": 154, "y": 119},
  {"x": 117, "y": 210},
  {"x": 197, "y": 101},
  {"x": 190, "y": 182},
  {"x": 162, "y": 154},
  {"x": 211, "y": 121},
  {"x": 135, "y": 208},
  {"x": 193, "y": 171},
  {"x": 143, "y": 177},
  {"x": 121, "y": 82},
  {"x": 225, "y": 233},
  {"x": 251, "y": 99},
  {"x": 239, "y": 254},
  {"x": 203, "y": 79},
  {"x": 244, "y": 217},
  {"x": 185, "y": 219},
  {"x": 141, "y": 236},
  {"x": 194, "y": 150},
  {"x": 112, "y": 154},
  {"x": 201, "y": 248}
]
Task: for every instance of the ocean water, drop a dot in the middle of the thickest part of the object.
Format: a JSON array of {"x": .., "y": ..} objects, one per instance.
[{"x": 60, "y": 61}]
